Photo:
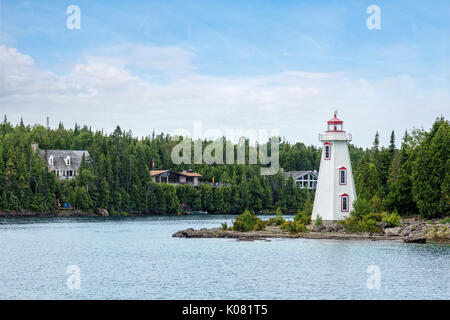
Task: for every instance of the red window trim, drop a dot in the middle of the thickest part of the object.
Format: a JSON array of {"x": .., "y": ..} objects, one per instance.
[
  {"x": 348, "y": 202},
  {"x": 329, "y": 151},
  {"x": 345, "y": 170}
]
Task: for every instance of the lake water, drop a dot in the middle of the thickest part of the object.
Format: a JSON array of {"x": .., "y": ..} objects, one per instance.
[{"x": 137, "y": 258}]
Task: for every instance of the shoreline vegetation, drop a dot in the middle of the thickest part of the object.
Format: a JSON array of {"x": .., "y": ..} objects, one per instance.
[{"x": 388, "y": 227}]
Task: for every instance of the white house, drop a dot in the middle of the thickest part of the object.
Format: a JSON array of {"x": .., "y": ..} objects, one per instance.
[
  {"x": 304, "y": 179},
  {"x": 65, "y": 163},
  {"x": 335, "y": 191}
]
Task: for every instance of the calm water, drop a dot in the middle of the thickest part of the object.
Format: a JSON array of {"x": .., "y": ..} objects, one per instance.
[{"x": 137, "y": 258}]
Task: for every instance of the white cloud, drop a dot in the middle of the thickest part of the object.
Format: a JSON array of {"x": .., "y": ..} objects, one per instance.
[
  {"x": 103, "y": 92},
  {"x": 169, "y": 59}
]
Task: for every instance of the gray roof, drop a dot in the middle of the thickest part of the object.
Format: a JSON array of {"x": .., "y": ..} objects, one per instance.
[
  {"x": 59, "y": 157},
  {"x": 297, "y": 174}
]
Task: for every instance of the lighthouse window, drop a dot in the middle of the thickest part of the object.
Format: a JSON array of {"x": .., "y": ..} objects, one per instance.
[
  {"x": 343, "y": 175},
  {"x": 327, "y": 151},
  {"x": 344, "y": 203}
]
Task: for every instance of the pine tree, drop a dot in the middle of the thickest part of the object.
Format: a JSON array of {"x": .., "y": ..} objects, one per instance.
[
  {"x": 376, "y": 149},
  {"x": 429, "y": 169},
  {"x": 5, "y": 121},
  {"x": 392, "y": 144},
  {"x": 400, "y": 196}
]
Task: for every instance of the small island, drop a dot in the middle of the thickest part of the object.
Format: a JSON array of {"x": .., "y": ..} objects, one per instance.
[{"x": 250, "y": 227}]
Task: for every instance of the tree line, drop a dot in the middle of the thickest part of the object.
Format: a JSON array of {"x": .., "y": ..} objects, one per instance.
[
  {"x": 412, "y": 179},
  {"x": 116, "y": 176}
]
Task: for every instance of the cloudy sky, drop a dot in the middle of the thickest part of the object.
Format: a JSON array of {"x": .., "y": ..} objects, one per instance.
[{"x": 286, "y": 65}]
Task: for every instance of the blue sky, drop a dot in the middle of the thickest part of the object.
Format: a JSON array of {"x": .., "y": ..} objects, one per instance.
[{"x": 263, "y": 64}]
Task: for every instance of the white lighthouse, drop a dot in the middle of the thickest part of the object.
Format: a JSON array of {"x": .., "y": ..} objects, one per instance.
[{"x": 335, "y": 191}]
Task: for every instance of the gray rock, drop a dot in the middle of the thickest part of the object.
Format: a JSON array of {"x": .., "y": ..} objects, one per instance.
[
  {"x": 392, "y": 232},
  {"x": 319, "y": 228},
  {"x": 415, "y": 238},
  {"x": 406, "y": 231},
  {"x": 333, "y": 227},
  {"x": 102, "y": 212}
]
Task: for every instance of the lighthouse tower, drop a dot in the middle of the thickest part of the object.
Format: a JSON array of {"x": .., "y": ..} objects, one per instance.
[{"x": 335, "y": 190}]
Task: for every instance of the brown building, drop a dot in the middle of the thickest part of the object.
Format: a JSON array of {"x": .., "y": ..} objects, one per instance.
[{"x": 176, "y": 178}]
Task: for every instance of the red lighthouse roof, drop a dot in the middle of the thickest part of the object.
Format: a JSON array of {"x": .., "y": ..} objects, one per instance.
[{"x": 335, "y": 119}]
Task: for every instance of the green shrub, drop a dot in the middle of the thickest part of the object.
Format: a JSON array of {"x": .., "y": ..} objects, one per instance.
[
  {"x": 278, "y": 212},
  {"x": 375, "y": 216},
  {"x": 376, "y": 204},
  {"x": 224, "y": 226},
  {"x": 361, "y": 207},
  {"x": 349, "y": 223},
  {"x": 445, "y": 220},
  {"x": 246, "y": 222},
  {"x": 302, "y": 217},
  {"x": 392, "y": 220},
  {"x": 319, "y": 221},
  {"x": 260, "y": 225},
  {"x": 367, "y": 223},
  {"x": 293, "y": 226},
  {"x": 277, "y": 220}
]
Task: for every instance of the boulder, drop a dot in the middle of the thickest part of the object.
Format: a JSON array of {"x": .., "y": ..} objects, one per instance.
[
  {"x": 406, "y": 231},
  {"x": 102, "y": 212},
  {"x": 188, "y": 233},
  {"x": 319, "y": 228},
  {"x": 392, "y": 232},
  {"x": 331, "y": 228},
  {"x": 415, "y": 238}
]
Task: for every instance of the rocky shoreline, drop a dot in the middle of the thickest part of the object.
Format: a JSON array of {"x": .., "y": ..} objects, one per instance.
[
  {"x": 53, "y": 214},
  {"x": 411, "y": 231}
]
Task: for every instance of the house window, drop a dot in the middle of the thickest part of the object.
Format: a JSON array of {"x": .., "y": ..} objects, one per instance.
[
  {"x": 342, "y": 176},
  {"x": 50, "y": 160},
  {"x": 344, "y": 202},
  {"x": 68, "y": 161},
  {"x": 327, "y": 151}
]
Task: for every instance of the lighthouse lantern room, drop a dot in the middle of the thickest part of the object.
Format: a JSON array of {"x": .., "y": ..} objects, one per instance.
[{"x": 335, "y": 191}]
